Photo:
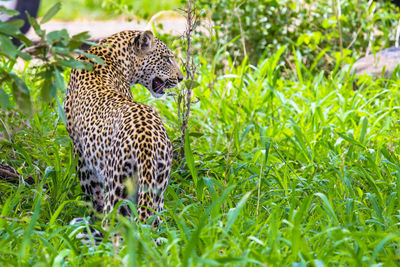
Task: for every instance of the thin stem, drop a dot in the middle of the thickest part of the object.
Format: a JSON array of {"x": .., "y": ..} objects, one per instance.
[
  {"x": 397, "y": 34},
  {"x": 338, "y": 14},
  {"x": 240, "y": 28},
  {"x": 186, "y": 97},
  {"x": 259, "y": 188}
]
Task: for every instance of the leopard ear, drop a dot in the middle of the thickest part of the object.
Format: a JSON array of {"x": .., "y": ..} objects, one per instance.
[{"x": 144, "y": 42}]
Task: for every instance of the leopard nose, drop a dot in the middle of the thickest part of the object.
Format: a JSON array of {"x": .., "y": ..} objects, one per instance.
[{"x": 180, "y": 77}]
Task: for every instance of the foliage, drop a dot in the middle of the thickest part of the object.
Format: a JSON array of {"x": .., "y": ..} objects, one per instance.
[
  {"x": 329, "y": 187},
  {"x": 309, "y": 26},
  {"x": 99, "y": 9},
  {"x": 55, "y": 51},
  {"x": 281, "y": 170},
  {"x": 185, "y": 95}
]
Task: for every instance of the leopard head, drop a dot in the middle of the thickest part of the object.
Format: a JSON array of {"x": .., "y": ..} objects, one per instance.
[{"x": 157, "y": 67}]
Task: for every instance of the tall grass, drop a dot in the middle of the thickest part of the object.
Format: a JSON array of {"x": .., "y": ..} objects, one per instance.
[{"x": 291, "y": 170}]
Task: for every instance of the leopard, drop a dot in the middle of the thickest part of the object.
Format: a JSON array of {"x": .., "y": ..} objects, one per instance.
[{"x": 118, "y": 141}]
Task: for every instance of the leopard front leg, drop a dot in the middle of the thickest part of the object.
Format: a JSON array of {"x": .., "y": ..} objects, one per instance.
[
  {"x": 122, "y": 172},
  {"x": 115, "y": 192},
  {"x": 91, "y": 186},
  {"x": 145, "y": 182},
  {"x": 93, "y": 189},
  {"x": 152, "y": 185}
]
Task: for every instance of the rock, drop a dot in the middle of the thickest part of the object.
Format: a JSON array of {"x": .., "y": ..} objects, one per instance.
[{"x": 373, "y": 65}]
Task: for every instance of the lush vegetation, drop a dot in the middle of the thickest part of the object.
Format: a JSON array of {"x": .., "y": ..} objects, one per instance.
[
  {"x": 108, "y": 9},
  {"x": 287, "y": 165},
  {"x": 327, "y": 30}
]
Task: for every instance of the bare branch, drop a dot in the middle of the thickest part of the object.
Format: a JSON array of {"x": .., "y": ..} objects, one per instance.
[
  {"x": 185, "y": 95},
  {"x": 12, "y": 219}
]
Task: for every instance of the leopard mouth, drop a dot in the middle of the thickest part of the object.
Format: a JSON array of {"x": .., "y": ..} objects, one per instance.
[{"x": 158, "y": 85}]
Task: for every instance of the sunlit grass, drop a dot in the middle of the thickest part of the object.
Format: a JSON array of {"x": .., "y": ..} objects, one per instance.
[{"x": 327, "y": 158}]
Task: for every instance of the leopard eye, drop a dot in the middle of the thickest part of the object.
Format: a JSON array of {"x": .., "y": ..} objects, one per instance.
[{"x": 168, "y": 59}]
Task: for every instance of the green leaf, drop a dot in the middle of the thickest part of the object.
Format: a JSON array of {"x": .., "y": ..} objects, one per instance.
[
  {"x": 30, "y": 228},
  {"x": 375, "y": 205},
  {"x": 246, "y": 131},
  {"x": 4, "y": 100},
  {"x": 197, "y": 135},
  {"x": 61, "y": 257},
  {"x": 57, "y": 212},
  {"x": 210, "y": 185},
  {"x": 21, "y": 94},
  {"x": 234, "y": 213},
  {"x": 230, "y": 259},
  {"x": 8, "y": 28},
  {"x": 74, "y": 64},
  {"x": 94, "y": 58},
  {"x": 64, "y": 51},
  {"x": 55, "y": 36},
  {"x": 190, "y": 163},
  {"x": 24, "y": 39},
  {"x": 81, "y": 36},
  {"x": 35, "y": 25},
  {"x": 328, "y": 206},
  {"x": 297, "y": 60},
  {"x": 7, "y": 48},
  {"x": 194, "y": 237},
  {"x": 267, "y": 147},
  {"x": 8, "y": 12},
  {"x": 364, "y": 125},
  {"x": 61, "y": 112},
  {"x": 77, "y": 39},
  {"x": 17, "y": 23},
  {"x": 190, "y": 84},
  {"x": 53, "y": 90},
  {"x": 350, "y": 140},
  {"x": 59, "y": 80},
  {"x": 380, "y": 246},
  {"x": 24, "y": 56},
  {"x": 45, "y": 90},
  {"x": 51, "y": 12}
]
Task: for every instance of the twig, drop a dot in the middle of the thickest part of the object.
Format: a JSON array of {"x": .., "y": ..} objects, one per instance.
[
  {"x": 397, "y": 34},
  {"x": 8, "y": 135},
  {"x": 240, "y": 28},
  {"x": 10, "y": 175},
  {"x": 359, "y": 30},
  {"x": 338, "y": 15},
  {"x": 371, "y": 34},
  {"x": 12, "y": 219},
  {"x": 354, "y": 39},
  {"x": 185, "y": 96},
  {"x": 6, "y": 130},
  {"x": 35, "y": 50},
  {"x": 4, "y": 173}
]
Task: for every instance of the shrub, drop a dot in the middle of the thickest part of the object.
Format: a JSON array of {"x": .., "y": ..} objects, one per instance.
[
  {"x": 311, "y": 27},
  {"x": 55, "y": 51}
]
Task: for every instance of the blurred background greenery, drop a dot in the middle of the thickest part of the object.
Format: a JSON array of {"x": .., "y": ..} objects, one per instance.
[
  {"x": 333, "y": 31},
  {"x": 107, "y": 9}
]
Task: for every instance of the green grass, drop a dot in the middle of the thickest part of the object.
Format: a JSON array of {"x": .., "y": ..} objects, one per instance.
[
  {"x": 108, "y": 9},
  {"x": 324, "y": 158}
]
